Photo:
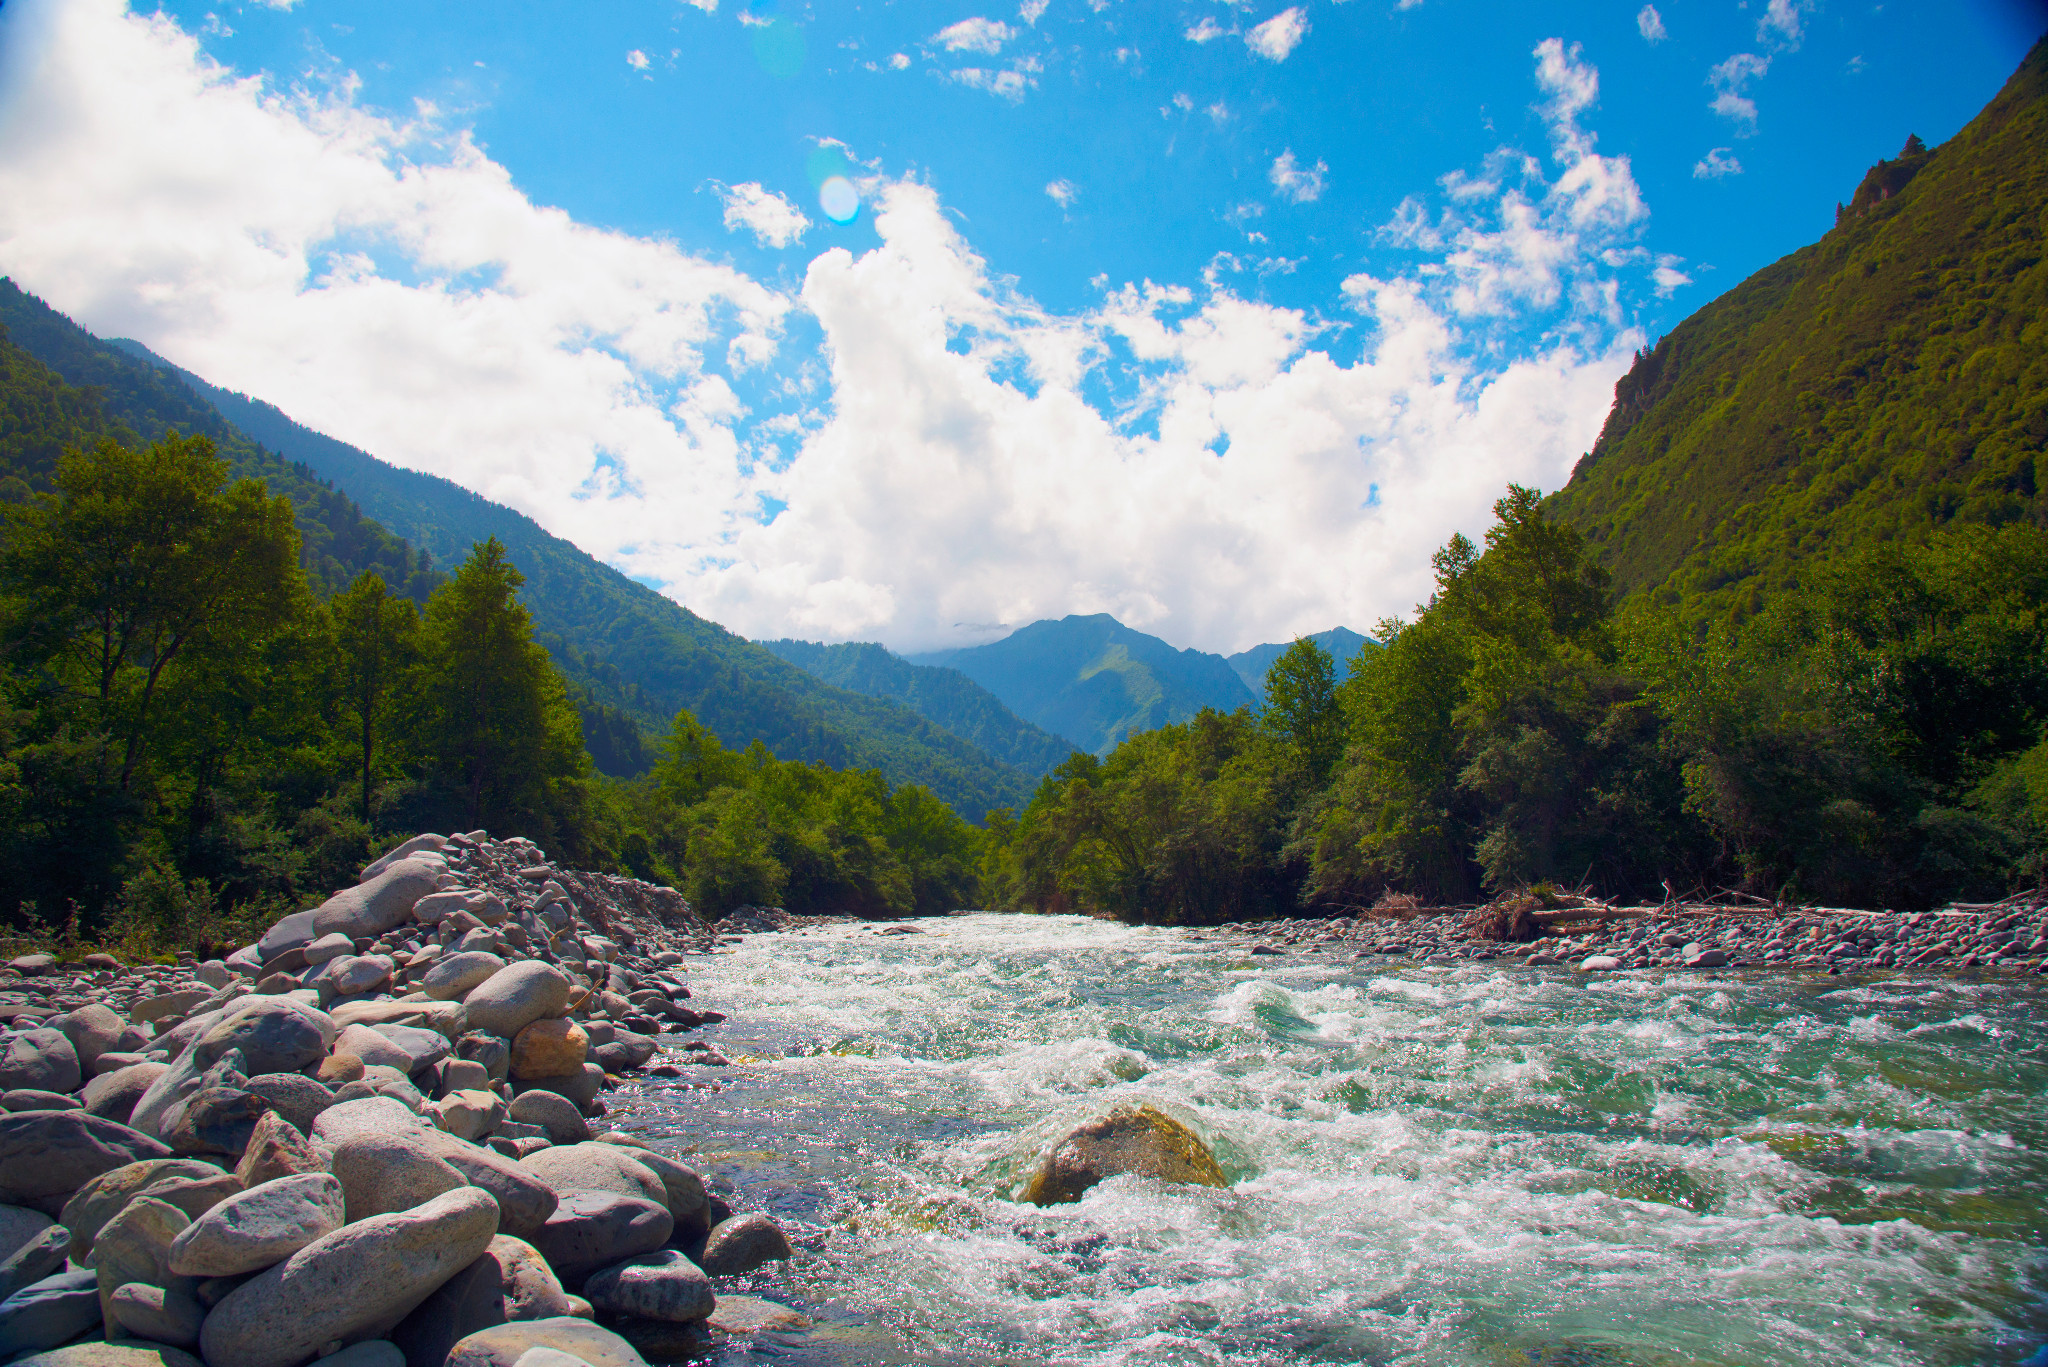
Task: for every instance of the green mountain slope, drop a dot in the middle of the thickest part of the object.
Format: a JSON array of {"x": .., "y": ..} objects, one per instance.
[
  {"x": 65, "y": 387},
  {"x": 1094, "y": 681},
  {"x": 1888, "y": 379},
  {"x": 635, "y": 655},
  {"x": 1251, "y": 665},
  {"x": 944, "y": 697}
]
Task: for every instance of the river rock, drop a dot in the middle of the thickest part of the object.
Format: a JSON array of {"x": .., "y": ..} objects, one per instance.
[
  {"x": 133, "y": 1247},
  {"x": 368, "y": 1353},
  {"x": 510, "y": 1282},
  {"x": 503, "y": 1345},
  {"x": 353, "y": 975},
  {"x": 45, "y": 1156},
  {"x": 291, "y": 932},
  {"x": 194, "y": 1195},
  {"x": 454, "y": 976},
  {"x": 516, "y": 996},
  {"x": 372, "y": 1047},
  {"x": 170, "y": 1005},
  {"x": 42, "y": 1060},
  {"x": 554, "y": 1113},
  {"x": 524, "y": 1201},
  {"x": 216, "y": 1123},
  {"x": 492, "y": 1054},
  {"x": 356, "y": 1283},
  {"x": 93, "y": 1029},
  {"x": 132, "y": 1353},
  {"x": 274, "y": 1035},
  {"x": 99, "y": 1200},
  {"x": 259, "y": 1228},
  {"x": 328, "y": 947},
  {"x": 753, "y": 1315},
  {"x": 276, "y": 1149},
  {"x": 426, "y": 843},
  {"x": 54, "y": 1310},
  {"x": 40, "y": 1255},
  {"x": 595, "y": 1167},
  {"x": 381, "y": 902},
  {"x": 1144, "y": 1141},
  {"x": 445, "y": 1017},
  {"x": 383, "y": 1173},
  {"x": 594, "y": 1229},
  {"x": 744, "y": 1243},
  {"x": 654, "y": 1286},
  {"x": 27, "y": 1099},
  {"x": 555, "y": 1047},
  {"x": 423, "y": 1048},
  {"x": 365, "y": 1115},
  {"x": 112, "y": 1096},
  {"x": 294, "y": 1096},
  {"x": 1705, "y": 958},
  {"x": 581, "y": 1088},
  {"x": 1599, "y": 963},
  {"x": 33, "y": 965},
  {"x": 469, "y": 1114},
  {"x": 153, "y": 1313},
  {"x": 686, "y": 1199},
  {"x": 625, "y": 1051}
]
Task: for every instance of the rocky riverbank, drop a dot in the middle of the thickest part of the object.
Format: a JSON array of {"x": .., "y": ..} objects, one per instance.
[
  {"x": 371, "y": 1139},
  {"x": 2009, "y": 936}
]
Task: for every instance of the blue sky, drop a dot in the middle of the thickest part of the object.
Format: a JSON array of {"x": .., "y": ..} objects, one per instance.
[{"x": 1215, "y": 316}]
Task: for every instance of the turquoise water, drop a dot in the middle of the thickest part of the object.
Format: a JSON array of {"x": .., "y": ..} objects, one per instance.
[{"x": 1433, "y": 1163}]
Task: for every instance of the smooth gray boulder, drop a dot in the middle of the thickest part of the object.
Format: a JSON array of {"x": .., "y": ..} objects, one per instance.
[
  {"x": 424, "y": 843},
  {"x": 372, "y": 1047},
  {"x": 744, "y": 1243},
  {"x": 291, "y": 932},
  {"x": 516, "y": 996},
  {"x": 127, "y": 1353},
  {"x": 382, "y": 1173},
  {"x": 594, "y": 1229},
  {"x": 274, "y": 1035},
  {"x": 47, "y": 1155},
  {"x": 93, "y": 1029},
  {"x": 490, "y": 1052},
  {"x": 554, "y": 1113},
  {"x": 505, "y": 1344},
  {"x": 52, "y": 1311},
  {"x": 331, "y": 946},
  {"x": 380, "y": 902},
  {"x": 366, "y": 1115},
  {"x": 664, "y": 1285},
  {"x": 216, "y": 1123},
  {"x": 156, "y": 1314},
  {"x": 132, "y": 1248},
  {"x": 423, "y": 1048},
  {"x": 510, "y": 1282},
  {"x": 41, "y": 1255},
  {"x": 26, "y": 1099},
  {"x": 112, "y": 1096},
  {"x": 454, "y": 976},
  {"x": 595, "y": 1167},
  {"x": 524, "y": 1201},
  {"x": 296, "y": 1097},
  {"x": 41, "y": 1060},
  {"x": 687, "y": 1200},
  {"x": 259, "y": 1228},
  {"x": 99, "y": 1200},
  {"x": 356, "y": 1283}
]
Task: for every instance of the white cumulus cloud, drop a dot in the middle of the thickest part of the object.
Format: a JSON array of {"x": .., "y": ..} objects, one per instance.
[
  {"x": 1730, "y": 80},
  {"x": 771, "y": 218},
  {"x": 1280, "y": 35},
  {"x": 637, "y": 60},
  {"x": 1295, "y": 182},
  {"x": 1207, "y": 30},
  {"x": 975, "y": 35},
  {"x": 1782, "y": 24},
  {"x": 1062, "y": 192},
  {"x": 382, "y": 279},
  {"x": 1650, "y": 24}
]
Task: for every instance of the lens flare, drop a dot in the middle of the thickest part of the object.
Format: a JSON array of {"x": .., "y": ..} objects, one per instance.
[{"x": 839, "y": 200}]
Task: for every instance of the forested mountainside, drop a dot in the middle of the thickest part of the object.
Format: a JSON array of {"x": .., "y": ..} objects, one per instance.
[
  {"x": 1884, "y": 382},
  {"x": 945, "y": 697},
  {"x": 60, "y": 387},
  {"x": 1095, "y": 681},
  {"x": 633, "y": 657},
  {"x": 1251, "y": 665}
]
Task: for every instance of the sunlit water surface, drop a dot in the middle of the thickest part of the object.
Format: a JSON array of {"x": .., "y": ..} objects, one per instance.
[{"x": 1432, "y": 1163}]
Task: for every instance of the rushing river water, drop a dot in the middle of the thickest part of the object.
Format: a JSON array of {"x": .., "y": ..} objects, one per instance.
[{"x": 1433, "y": 1163}]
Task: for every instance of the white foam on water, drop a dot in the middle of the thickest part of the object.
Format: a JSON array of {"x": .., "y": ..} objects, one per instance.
[{"x": 1456, "y": 1164}]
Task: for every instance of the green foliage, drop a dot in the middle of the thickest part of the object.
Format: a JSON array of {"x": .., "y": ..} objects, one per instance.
[
  {"x": 1883, "y": 383},
  {"x": 1301, "y": 707}
]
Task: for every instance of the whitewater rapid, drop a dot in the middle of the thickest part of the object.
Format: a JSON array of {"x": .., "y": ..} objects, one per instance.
[{"x": 1432, "y": 1164}]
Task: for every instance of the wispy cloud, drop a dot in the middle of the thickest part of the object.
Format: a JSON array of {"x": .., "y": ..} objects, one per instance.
[
  {"x": 1716, "y": 164},
  {"x": 1667, "y": 278},
  {"x": 1782, "y": 25},
  {"x": 1030, "y": 10},
  {"x": 1008, "y": 85},
  {"x": 773, "y": 220},
  {"x": 1062, "y": 192},
  {"x": 1280, "y": 35},
  {"x": 1206, "y": 31},
  {"x": 1730, "y": 80},
  {"x": 637, "y": 60},
  {"x": 1650, "y": 24},
  {"x": 975, "y": 35},
  {"x": 1295, "y": 182}
]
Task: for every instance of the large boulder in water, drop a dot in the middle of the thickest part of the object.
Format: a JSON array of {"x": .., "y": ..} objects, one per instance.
[{"x": 1144, "y": 1141}]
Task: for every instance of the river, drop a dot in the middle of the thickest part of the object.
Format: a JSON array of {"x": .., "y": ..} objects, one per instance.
[{"x": 1432, "y": 1163}]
